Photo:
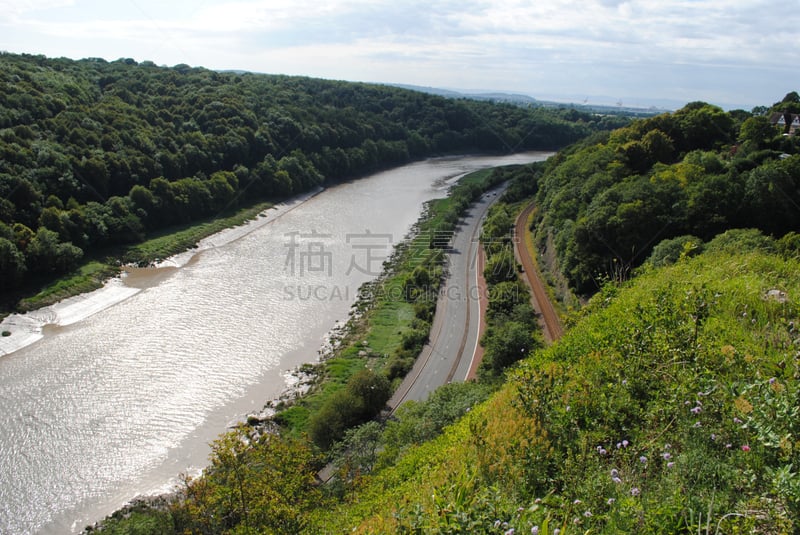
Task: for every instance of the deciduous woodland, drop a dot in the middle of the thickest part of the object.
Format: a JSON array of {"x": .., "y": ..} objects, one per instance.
[{"x": 96, "y": 154}]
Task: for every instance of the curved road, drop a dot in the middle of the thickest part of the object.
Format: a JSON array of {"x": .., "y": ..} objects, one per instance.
[
  {"x": 523, "y": 249},
  {"x": 450, "y": 354}
]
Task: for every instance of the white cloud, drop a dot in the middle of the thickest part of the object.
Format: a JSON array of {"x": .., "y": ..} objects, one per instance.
[{"x": 560, "y": 45}]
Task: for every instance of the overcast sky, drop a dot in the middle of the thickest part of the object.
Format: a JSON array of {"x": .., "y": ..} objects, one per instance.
[{"x": 734, "y": 53}]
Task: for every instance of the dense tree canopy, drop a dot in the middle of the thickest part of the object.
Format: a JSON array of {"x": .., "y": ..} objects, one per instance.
[
  {"x": 100, "y": 153},
  {"x": 606, "y": 202}
]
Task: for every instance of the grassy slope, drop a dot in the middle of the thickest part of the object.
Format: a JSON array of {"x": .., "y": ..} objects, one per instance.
[{"x": 691, "y": 370}]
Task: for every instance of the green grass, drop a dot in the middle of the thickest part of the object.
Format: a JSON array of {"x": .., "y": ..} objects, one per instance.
[
  {"x": 478, "y": 178},
  {"x": 88, "y": 277},
  {"x": 389, "y": 322},
  {"x": 174, "y": 240},
  {"x": 682, "y": 384}
]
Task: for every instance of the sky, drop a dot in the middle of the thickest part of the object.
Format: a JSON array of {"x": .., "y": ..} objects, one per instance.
[{"x": 732, "y": 53}]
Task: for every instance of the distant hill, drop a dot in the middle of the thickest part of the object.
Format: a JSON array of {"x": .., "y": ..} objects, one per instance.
[{"x": 528, "y": 101}]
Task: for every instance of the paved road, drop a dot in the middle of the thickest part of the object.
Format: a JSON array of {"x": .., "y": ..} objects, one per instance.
[{"x": 448, "y": 356}]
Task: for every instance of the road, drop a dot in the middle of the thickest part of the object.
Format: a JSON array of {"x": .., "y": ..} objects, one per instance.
[
  {"x": 523, "y": 249},
  {"x": 452, "y": 350}
]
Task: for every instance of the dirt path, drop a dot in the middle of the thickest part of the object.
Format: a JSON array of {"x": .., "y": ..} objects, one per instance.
[{"x": 523, "y": 248}]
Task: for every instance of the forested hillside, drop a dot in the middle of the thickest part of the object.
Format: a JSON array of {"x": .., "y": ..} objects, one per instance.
[
  {"x": 605, "y": 203},
  {"x": 96, "y": 153}
]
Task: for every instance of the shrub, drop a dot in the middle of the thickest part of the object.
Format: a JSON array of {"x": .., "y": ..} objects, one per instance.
[{"x": 670, "y": 251}]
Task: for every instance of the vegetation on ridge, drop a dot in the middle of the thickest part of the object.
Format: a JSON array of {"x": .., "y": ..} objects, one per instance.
[
  {"x": 606, "y": 202},
  {"x": 669, "y": 407},
  {"x": 96, "y": 154}
]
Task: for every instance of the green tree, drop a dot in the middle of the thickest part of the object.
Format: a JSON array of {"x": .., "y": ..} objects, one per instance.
[
  {"x": 670, "y": 251},
  {"x": 758, "y": 132},
  {"x": 506, "y": 344},
  {"x": 501, "y": 267},
  {"x": 45, "y": 254},
  {"x": 12, "y": 264},
  {"x": 262, "y": 485}
]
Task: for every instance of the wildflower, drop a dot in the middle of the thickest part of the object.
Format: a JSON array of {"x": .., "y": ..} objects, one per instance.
[
  {"x": 619, "y": 445},
  {"x": 643, "y": 459},
  {"x": 736, "y": 420},
  {"x": 587, "y": 514},
  {"x": 614, "y": 472},
  {"x": 535, "y": 530},
  {"x": 666, "y": 455},
  {"x": 616, "y": 480},
  {"x": 576, "y": 502},
  {"x": 635, "y": 491},
  {"x": 602, "y": 451},
  {"x": 713, "y": 436},
  {"x": 576, "y": 520},
  {"x": 667, "y": 446},
  {"x": 670, "y": 464},
  {"x": 697, "y": 424},
  {"x": 625, "y": 443},
  {"x": 745, "y": 447},
  {"x": 537, "y": 500},
  {"x": 696, "y": 409},
  {"x": 497, "y": 523},
  {"x": 610, "y": 501},
  {"x": 557, "y": 531},
  {"x": 728, "y": 445},
  {"x": 511, "y": 531}
]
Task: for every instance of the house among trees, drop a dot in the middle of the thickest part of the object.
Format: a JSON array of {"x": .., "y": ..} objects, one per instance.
[{"x": 789, "y": 123}]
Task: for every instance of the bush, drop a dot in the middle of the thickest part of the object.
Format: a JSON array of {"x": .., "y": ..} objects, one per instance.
[
  {"x": 398, "y": 366},
  {"x": 670, "y": 251},
  {"x": 363, "y": 398},
  {"x": 737, "y": 240}
]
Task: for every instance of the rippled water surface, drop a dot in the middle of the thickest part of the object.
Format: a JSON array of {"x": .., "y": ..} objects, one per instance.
[{"x": 119, "y": 403}]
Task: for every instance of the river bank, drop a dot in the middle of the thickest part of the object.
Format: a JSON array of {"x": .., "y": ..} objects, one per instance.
[{"x": 72, "y": 299}]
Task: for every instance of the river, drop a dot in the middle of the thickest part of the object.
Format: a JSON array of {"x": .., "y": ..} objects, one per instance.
[{"x": 113, "y": 395}]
